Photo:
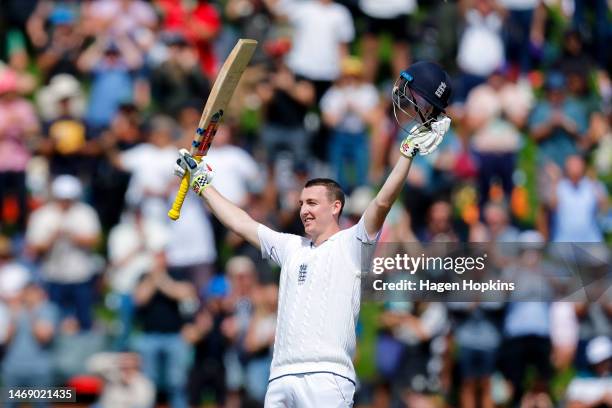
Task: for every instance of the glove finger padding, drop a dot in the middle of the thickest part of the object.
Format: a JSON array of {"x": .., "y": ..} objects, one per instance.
[{"x": 425, "y": 141}]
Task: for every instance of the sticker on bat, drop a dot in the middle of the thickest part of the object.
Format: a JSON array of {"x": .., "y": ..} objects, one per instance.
[{"x": 209, "y": 133}]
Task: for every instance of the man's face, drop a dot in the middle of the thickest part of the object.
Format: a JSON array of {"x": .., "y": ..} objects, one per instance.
[{"x": 317, "y": 211}]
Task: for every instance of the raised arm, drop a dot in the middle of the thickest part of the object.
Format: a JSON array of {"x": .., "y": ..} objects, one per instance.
[
  {"x": 424, "y": 142},
  {"x": 379, "y": 207},
  {"x": 231, "y": 216}
]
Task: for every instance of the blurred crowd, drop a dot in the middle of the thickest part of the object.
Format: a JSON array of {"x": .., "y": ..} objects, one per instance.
[{"x": 100, "y": 291}]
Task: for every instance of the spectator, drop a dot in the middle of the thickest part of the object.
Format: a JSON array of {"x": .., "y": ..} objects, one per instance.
[
  {"x": 526, "y": 326},
  {"x": 199, "y": 22},
  {"x": 439, "y": 227},
  {"x": 237, "y": 170},
  {"x": 322, "y": 31},
  {"x": 594, "y": 390},
  {"x": 108, "y": 192},
  {"x": 575, "y": 202},
  {"x": 420, "y": 328},
  {"x": 243, "y": 281},
  {"x": 496, "y": 226},
  {"x": 48, "y": 12},
  {"x": 259, "y": 340},
  {"x": 119, "y": 18},
  {"x": 150, "y": 185},
  {"x": 523, "y": 37},
  {"x": 164, "y": 301},
  {"x": 62, "y": 235},
  {"x": 111, "y": 64},
  {"x": 391, "y": 18},
  {"x": 478, "y": 339},
  {"x": 557, "y": 123},
  {"x": 495, "y": 112},
  {"x": 208, "y": 370},
  {"x": 66, "y": 142},
  {"x": 58, "y": 50},
  {"x": 28, "y": 358},
  {"x": 124, "y": 383},
  {"x": 483, "y": 23},
  {"x": 594, "y": 320},
  {"x": 194, "y": 257},
  {"x": 286, "y": 99},
  {"x": 18, "y": 127},
  {"x": 255, "y": 21},
  {"x": 133, "y": 246},
  {"x": 349, "y": 108},
  {"x": 178, "y": 79}
]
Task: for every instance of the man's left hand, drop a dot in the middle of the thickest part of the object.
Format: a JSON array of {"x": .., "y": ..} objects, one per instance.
[{"x": 425, "y": 141}]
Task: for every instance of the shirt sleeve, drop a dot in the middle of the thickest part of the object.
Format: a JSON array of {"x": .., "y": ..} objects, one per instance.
[
  {"x": 275, "y": 245},
  {"x": 361, "y": 245}
]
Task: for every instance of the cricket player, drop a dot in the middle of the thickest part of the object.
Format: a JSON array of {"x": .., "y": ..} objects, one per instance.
[{"x": 319, "y": 295}]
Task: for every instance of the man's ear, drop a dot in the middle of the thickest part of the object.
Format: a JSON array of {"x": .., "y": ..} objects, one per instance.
[{"x": 336, "y": 208}]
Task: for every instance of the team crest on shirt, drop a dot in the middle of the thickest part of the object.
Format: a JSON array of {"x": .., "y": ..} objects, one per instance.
[{"x": 302, "y": 274}]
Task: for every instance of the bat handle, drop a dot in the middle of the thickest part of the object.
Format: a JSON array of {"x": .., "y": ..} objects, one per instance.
[{"x": 175, "y": 211}]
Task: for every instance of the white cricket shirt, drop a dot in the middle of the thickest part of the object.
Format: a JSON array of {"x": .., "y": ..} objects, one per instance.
[{"x": 319, "y": 299}]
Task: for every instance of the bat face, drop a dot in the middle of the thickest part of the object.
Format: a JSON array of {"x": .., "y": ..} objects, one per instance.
[{"x": 220, "y": 95}]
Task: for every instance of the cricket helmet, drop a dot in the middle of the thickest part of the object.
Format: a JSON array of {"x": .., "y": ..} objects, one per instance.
[{"x": 421, "y": 92}]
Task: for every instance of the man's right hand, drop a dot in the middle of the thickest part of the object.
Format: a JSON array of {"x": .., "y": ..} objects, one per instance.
[{"x": 200, "y": 174}]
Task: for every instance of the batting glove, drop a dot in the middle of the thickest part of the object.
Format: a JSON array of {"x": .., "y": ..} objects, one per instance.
[
  {"x": 200, "y": 174},
  {"x": 425, "y": 141}
]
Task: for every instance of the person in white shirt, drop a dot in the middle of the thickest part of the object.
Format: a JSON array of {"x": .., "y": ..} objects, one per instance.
[
  {"x": 322, "y": 30},
  {"x": 320, "y": 282},
  {"x": 149, "y": 189}
]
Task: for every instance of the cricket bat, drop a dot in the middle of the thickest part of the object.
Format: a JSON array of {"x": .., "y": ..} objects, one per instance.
[{"x": 217, "y": 102}]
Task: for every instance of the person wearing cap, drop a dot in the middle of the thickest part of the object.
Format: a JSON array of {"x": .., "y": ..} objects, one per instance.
[
  {"x": 65, "y": 134},
  {"x": 19, "y": 126},
  {"x": 61, "y": 236},
  {"x": 320, "y": 290},
  {"x": 593, "y": 389},
  {"x": 59, "y": 49},
  {"x": 348, "y": 109}
]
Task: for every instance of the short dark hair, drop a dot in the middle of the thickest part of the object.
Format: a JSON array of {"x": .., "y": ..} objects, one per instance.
[{"x": 334, "y": 191}]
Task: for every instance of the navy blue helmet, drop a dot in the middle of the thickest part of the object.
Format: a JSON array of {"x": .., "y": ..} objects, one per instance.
[{"x": 422, "y": 92}]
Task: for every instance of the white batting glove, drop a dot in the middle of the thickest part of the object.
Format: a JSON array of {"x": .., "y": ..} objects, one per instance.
[
  {"x": 200, "y": 174},
  {"x": 425, "y": 141}
]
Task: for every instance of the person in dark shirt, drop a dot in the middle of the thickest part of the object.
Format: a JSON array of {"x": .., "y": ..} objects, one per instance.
[
  {"x": 208, "y": 371},
  {"x": 164, "y": 299},
  {"x": 286, "y": 99}
]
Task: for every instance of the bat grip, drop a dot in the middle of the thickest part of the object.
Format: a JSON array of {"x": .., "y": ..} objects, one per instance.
[{"x": 175, "y": 211}]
